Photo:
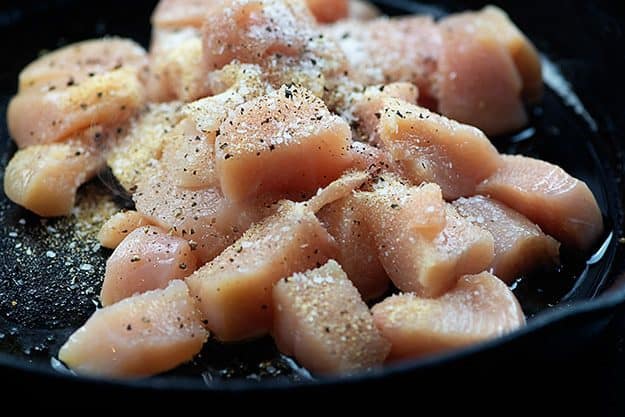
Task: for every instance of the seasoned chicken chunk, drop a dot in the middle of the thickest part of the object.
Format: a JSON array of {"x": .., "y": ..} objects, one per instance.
[
  {"x": 203, "y": 216},
  {"x": 87, "y": 84},
  {"x": 432, "y": 148},
  {"x": 423, "y": 244},
  {"x": 474, "y": 67},
  {"x": 234, "y": 289},
  {"x": 119, "y": 226},
  {"x": 106, "y": 100},
  {"x": 563, "y": 206},
  {"x": 44, "y": 178},
  {"x": 283, "y": 142},
  {"x": 320, "y": 319},
  {"x": 478, "y": 308},
  {"x": 139, "y": 336},
  {"x": 147, "y": 259},
  {"x": 520, "y": 245},
  {"x": 356, "y": 249}
]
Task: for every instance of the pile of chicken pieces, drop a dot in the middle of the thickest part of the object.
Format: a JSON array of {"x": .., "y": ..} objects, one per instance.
[{"x": 291, "y": 163}]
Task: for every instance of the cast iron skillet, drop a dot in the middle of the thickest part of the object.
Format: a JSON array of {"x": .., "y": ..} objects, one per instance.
[{"x": 50, "y": 274}]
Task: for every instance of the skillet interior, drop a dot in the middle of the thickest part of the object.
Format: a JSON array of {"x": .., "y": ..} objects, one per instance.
[{"x": 51, "y": 272}]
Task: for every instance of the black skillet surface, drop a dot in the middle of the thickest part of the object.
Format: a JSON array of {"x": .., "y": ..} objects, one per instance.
[{"x": 51, "y": 271}]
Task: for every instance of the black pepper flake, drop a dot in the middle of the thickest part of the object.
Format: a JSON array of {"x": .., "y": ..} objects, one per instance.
[
  {"x": 83, "y": 106},
  {"x": 129, "y": 327},
  {"x": 394, "y": 206},
  {"x": 71, "y": 82},
  {"x": 182, "y": 265},
  {"x": 227, "y": 156},
  {"x": 135, "y": 258},
  {"x": 288, "y": 93},
  {"x": 99, "y": 94},
  {"x": 272, "y": 147}
]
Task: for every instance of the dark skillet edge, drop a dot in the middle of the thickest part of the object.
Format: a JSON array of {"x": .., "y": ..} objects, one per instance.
[{"x": 598, "y": 310}]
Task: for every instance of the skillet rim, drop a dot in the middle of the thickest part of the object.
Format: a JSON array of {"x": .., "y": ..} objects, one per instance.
[{"x": 601, "y": 306}]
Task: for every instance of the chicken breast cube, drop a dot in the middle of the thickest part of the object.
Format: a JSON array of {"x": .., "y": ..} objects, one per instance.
[
  {"x": 387, "y": 50},
  {"x": 44, "y": 178},
  {"x": 175, "y": 14},
  {"x": 76, "y": 63},
  {"x": 480, "y": 83},
  {"x": 188, "y": 156},
  {"x": 236, "y": 30},
  {"x": 432, "y": 148},
  {"x": 234, "y": 290},
  {"x": 365, "y": 108},
  {"x": 203, "y": 216},
  {"x": 147, "y": 259},
  {"x": 285, "y": 141},
  {"x": 176, "y": 71},
  {"x": 422, "y": 242},
  {"x": 327, "y": 11},
  {"x": 139, "y": 336},
  {"x": 478, "y": 308},
  {"x": 109, "y": 99},
  {"x": 357, "y": 252},
  {"x": 320, "y": 319},
  {"x": 119, "y": 226},
  {"x": 520, "y": 245},
  {"x": 563, "y": 206},
  {"x": 523, "y": 53}
]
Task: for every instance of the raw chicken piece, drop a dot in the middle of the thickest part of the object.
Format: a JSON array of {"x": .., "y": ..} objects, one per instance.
[
  {"x": 478, "y": 308},
  {"x": 472, "y": 67},
  {"x": 384, "y": 50},
  {"x": 204, "y": 216},
  {"x": 337, "y": 190},
  {"x": 327, "y": 11},
  {"x": 44, "y": 178},
  {"x": 371, "y": 159},
  {"x": 176, "y": 14},
  {"x": 107, "y": 100},
  {"x": 137, "y": 337},
  {"x": 76, "y": 63},
  {"x": 140, "y": 146},
  {"x": 523, "y": 53},
  {"x": 147, "y": 259},
  {"x": 320, "y": 319},
  {"x": 479, "y": 82},
  {"x": 563, "y": 206},
  {"x": 432, "y": 148},
  {"x": 119, "y": 226},
  {"x": 191, "y": 13},
  {"x": 422, "y": 242},
  {"x": 188, "y": 157},
  {"x": 176, "y": 71},
  {"x": 356, "y": 249},
  {"x": 233, "y": 86},
  {"x": 369, "y": 107},
  {"x": 281, "y": 36},
  {"x": 286, "y": 141},
  {"x": 362, "y": 10},
  {"x": 234, "y": 289},
  {"x": 252, "y": 30},
  {"x": 520, "y": 245}
]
